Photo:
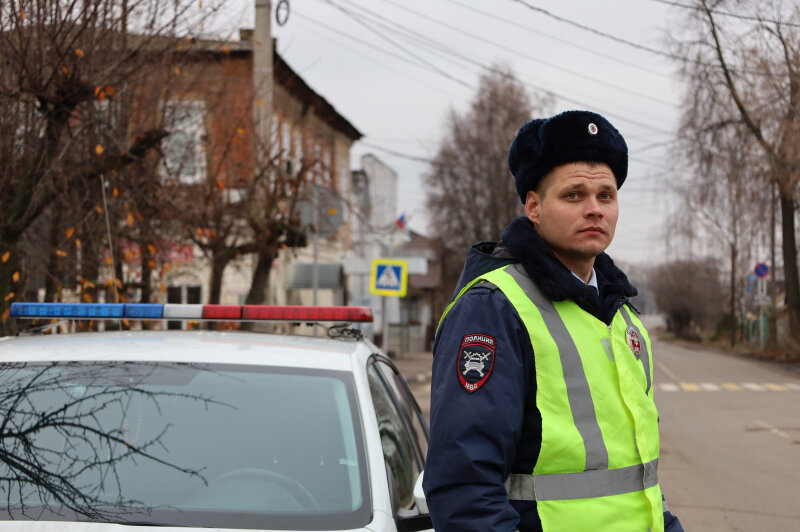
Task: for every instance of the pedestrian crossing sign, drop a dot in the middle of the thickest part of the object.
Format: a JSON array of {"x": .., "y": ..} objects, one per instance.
[{"x": 389, "y": 277}]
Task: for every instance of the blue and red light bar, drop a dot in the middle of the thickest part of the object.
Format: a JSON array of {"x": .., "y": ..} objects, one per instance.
[{"x": 156, "y": 311}]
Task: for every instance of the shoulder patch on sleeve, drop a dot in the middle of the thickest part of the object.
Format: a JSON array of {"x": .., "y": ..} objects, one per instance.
[{"x": 475, "y": 360}]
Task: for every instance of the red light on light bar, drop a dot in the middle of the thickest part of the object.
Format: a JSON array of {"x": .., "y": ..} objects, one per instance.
[
  {"x": 300, "y": 313},
  {"x": 222, "y": 312}
]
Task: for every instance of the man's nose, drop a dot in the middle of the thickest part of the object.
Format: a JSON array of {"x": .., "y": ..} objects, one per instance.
[{"x": 593, "y": 207}]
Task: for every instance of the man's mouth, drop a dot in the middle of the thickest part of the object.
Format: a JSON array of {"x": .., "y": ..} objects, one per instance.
[{"x": 593, "y": 229}]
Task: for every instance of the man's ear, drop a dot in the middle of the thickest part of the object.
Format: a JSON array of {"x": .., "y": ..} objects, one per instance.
[{"x": 533, "y": 206}]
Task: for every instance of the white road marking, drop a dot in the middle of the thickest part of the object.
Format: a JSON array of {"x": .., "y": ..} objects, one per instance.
[
  {"x": 753, "y": 386},
  {"x": 773, "y": 430},
  {"x": 669, "y": 387},
  {"x": 709, "y": 386},
  {"x": 669, "y": 372},
  {"x": 793, "y": 386}
]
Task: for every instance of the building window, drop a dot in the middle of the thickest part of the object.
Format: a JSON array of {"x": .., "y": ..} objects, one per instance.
[{"x": 184, "y": 148}]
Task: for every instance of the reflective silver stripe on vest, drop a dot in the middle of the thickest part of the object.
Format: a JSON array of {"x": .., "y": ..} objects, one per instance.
[
  {"x": 578, "y": 393},
  {"x": 645, "y": 353},
  {"x": 585, "y": 485}
]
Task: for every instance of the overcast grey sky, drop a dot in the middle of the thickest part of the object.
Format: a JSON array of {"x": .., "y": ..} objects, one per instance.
[{"x": 393, "y": 68}]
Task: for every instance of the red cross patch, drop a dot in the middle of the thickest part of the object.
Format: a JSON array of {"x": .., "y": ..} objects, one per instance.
[{"x": 634, "y": 342}]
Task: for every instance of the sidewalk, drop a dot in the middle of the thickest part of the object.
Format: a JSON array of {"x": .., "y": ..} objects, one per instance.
[{"x": 415, "y": 366}]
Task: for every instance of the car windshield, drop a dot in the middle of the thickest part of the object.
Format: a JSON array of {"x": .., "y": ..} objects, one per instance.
[{"x": 226, "y": 446}]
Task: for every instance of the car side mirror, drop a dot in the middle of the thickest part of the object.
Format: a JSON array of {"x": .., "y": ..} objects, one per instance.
[
  {"x": 419, "y": 495},
  {"x": 418, "y": 518}
]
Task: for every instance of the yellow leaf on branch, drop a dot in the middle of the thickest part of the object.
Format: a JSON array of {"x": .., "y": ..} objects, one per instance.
[
  {"x": 6, "y": 256},
  {"x": 78, "y": 243},
  {"x": 152, "y": 264},
  {"x": 115, "y": 192},
  {"x": 61, "y": 253},
  {"x": 9, "y": 296},
  {"x": 99, "y": 149},
  {"x": 129, "y": 219},
  {"x": 99, "y": 209},
  {"x": 15, "y": 277},
  {"x": 69, "y": 232},
  {"x": 79, "y": 52},
  {"x": 152, "y": 249}
]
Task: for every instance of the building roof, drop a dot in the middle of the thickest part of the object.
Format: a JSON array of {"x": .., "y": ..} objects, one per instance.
[{"x": 284, "y": 75}]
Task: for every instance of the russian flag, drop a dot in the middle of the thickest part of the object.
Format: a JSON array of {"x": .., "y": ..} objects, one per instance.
[{"x": 401, "y": 222}]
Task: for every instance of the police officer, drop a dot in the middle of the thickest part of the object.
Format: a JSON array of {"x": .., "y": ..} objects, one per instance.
[{"x": 542, "y": 412}]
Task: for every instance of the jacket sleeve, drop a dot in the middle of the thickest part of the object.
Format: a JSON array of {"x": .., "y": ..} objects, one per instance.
[
  {"x": 671, "y": 522},
  {"x": 474, "y": 434}
]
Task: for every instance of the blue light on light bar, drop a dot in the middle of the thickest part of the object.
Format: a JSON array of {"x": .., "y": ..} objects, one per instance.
[
  {"x": 144, "y": 311},
  {"x": 67, "y": 310}
]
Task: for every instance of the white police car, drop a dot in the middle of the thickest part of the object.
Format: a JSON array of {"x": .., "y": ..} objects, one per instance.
[{"x": 225, "y": 430}]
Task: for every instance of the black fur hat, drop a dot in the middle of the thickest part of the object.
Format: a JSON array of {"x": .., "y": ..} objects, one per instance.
[{"x": 572, "y": 136}]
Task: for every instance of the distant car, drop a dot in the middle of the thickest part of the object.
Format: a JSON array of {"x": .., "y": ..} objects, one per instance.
[{"x": 199, "y": 429}]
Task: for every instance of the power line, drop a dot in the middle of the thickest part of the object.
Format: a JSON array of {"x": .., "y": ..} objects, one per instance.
[
  {"x": 728, "y": 13},
  {"x": 373, "y": 47},
  {"x": 382, "y": 36},
  {"x": 528, "y": 56},
  {"x": 415, "y": 158},
  {"x": 603, "y": 34},
  {"x": 558, "y": 39},
  {"x": 472, "y": 61},
  {"x": 655, "y": 51}
]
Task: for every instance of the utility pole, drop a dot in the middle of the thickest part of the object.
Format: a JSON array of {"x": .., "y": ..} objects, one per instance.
[
  {"x": 262, "y": 85},
  {"x": 262, "y": 97}
]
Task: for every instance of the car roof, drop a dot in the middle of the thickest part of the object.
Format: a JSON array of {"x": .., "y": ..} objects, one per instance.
[{"x": 231, "y": 347}]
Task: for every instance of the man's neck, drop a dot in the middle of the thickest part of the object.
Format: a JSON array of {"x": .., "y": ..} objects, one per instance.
[{"x": 582, "y": 268}]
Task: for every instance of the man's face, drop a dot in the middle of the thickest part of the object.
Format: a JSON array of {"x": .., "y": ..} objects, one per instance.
[{"x": 575, "y": 211}]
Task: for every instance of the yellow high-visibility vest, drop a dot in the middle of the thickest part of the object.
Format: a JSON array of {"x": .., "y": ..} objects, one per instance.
[{"x": 597, "y": 467}]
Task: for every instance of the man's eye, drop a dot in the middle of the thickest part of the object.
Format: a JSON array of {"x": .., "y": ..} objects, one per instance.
[{"x": 572, "y": 195}]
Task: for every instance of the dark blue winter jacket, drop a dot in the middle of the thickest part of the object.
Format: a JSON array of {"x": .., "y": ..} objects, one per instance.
[{"x": 479, "y": 438}]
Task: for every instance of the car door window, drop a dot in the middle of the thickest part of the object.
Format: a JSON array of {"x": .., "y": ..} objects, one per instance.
[
  {"x": 398, "y": 447},
  {"x": 408, "y": 408}
]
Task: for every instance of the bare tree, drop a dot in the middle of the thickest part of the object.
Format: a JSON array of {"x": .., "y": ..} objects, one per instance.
[
  {"x": 689, "y": 292},
  {"x": 471, "y": 195},
  {"x": 60, "y": 60},
  {"x": 751, "y": 64},
  {"x": 64, "y": 424},
  {"x": 724, "y": 198}
]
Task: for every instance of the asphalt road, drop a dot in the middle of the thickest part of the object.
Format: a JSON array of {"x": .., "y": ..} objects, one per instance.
[{"x": 730, "y": 439}]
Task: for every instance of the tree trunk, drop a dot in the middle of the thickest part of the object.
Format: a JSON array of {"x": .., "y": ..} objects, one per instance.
[
  {"x": 147, "y": 273},
  {"x": 257, "y": 295},
  {"x": 790, "y": 270},
  {"x": 218, "y": 263},
  {"x": 258, "y": 287},
  {"x": 772, "y": 339},
  {"x": 52, "y": 274},
  {"x": 733, "y": 294}
]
